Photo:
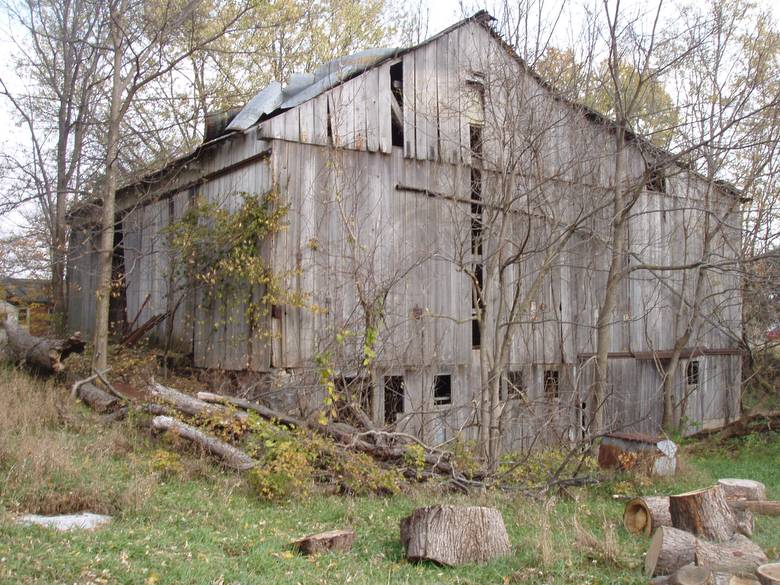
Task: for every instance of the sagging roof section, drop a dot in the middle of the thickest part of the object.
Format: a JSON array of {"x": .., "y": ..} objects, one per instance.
[{"x": 305, "y": 86}]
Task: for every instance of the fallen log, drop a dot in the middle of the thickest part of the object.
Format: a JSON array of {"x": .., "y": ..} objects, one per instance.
[
  {"x": 188, "y": 404},
  {"x": 333, "y": 540},
  {"x": 342, "y": 433},
  {"x": 97, "y": 399},
  {"x": 747, "y": 425},
  {"x": 231, "y": 457},
  {"x": 670, "y": 549},
  {"x": 704, "y": 513},
  {"x": 451, "y": 536},
  {"x": 767, "y": 508},
  {"x": 643, "y": 515},
  {"x": 40, "y": 354},
  {"x": 738, "y": 555}
]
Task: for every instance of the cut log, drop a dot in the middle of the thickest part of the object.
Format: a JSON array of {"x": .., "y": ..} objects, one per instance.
[
  {"x": 644, "y": 515},
  {"x": 452, "y": 535},
  {"x": 188, "y": 404},
  {"x": 40, "y": 354},
  {"x": 769, "y": 574},
  {"x": 692, "y": 575},
  {"x": 704, "y": 513},
  {"x": 97, "y": 399},
  {"x": 669, "y": 550},
  {"x": 742, "y": 489},
  {"x": 729, "y": 579},
  {"x": 333, "y": 540},
  {"x": 230, "y": 456},
  {"x": 738, "y": 555},
  {"x": 745, "y": 521},
  {"x": 767, "y": 508}
]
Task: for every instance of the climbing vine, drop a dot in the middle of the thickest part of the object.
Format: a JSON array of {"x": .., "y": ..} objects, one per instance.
[{"x": 222, "y": 252}]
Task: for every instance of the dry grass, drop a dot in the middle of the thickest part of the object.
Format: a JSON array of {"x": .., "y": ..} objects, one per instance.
[
  {"x": 604, "y": 549},
  {"x": 57, "y": 458}
]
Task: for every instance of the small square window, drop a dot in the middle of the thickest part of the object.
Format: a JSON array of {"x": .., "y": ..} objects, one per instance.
[
  {"x": 692, "y": 372},
  {"x": 513, "y": 387},
  {"x": 442, "y": 389}
]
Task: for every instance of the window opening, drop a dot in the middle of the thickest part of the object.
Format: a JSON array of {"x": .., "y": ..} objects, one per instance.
[
  {"x": 551, "y": 383},
  {"x": 692, "y": 372},
  {"x": 656, "y": 179},
  {"x": 395, "y": 389},
  {"x": 477, "y": 306},
  {"x": 397, "y": 103},
  {"x": 513, "y": 387},
  {"x": 442, "y": 389}
]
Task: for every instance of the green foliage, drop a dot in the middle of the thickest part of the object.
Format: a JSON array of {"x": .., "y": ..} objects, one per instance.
[
  {"x": 465, "y": 456},
  {"x": 167, "y": 463},
  {"x": 222, "y": 252},
  {"x": 539, "y": 467},
  {"x": 414, "y": 458}
]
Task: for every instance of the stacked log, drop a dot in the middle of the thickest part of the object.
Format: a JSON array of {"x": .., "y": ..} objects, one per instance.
[{"x": 703, "y": 539}]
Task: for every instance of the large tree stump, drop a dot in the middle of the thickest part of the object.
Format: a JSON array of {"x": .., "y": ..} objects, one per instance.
[
  {"x": 333, "y": 540},
  {"x": 450, "y": 535},
  {"x": 644, "y": 515},
  {"x": 743, "y": 489},
  {"x": 704, "y": 513},
  {"x": 769, "y": 574},
  {"x": 670, "y": 549},
  {"x": 738, "y": 555},
  {"x": 40, "y": 354},
  {"x": 230, "y": 456}
]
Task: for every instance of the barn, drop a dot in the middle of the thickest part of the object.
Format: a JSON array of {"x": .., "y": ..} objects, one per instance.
[{"x": 445, "y": 227}]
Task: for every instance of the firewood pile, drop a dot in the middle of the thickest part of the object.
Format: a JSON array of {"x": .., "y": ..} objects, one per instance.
[{"x": 703, "y": 537}]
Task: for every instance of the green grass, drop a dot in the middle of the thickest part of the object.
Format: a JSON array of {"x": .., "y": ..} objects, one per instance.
[{"x": 197, "y": 525}]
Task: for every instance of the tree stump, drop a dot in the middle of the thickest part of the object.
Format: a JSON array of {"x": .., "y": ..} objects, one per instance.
[
  {"x": 769, "y": 574},
  {"x": 669, "y": 550},
  {"x": 692, "y": 575},
  {"x": 704, "y": 513},
  {"x": 738, "y": 555},
  {"x": 40, "y": 354},
  {"x": 333, "y": 540},
  {"x": 450, "y": 535},
  {"x": 743, "y": 489},
  {"x": 644, "y": 515}
]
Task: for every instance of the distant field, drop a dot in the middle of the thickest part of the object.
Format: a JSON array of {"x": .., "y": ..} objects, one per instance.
[{"x": 180, "y": 520}]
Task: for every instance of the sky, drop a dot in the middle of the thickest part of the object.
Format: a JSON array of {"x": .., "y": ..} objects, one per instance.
[{"x": 438, "y": 15}]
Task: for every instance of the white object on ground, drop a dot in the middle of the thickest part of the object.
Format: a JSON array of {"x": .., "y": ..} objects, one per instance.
[{"x": 83, "y": 521}]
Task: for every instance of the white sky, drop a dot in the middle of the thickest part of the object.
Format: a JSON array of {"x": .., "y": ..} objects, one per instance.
[{"x": 440, "y": 15}]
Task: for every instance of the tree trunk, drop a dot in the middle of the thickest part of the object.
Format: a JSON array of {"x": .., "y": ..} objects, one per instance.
[
  {"x": 704, "y": 513},
  {"x": 740, "y": 554},
  {"x": 231, "y": 456},
  {"x": 769, "y": 574},
  {"x": 333, "y": 540},
  {"x": 669, "y": 550},
  {"x": 644, "y": 515},
  {"x": 40, "y": 354},
  {"x": 189, "y": 405},
  {"x": 452, "y": 536}
]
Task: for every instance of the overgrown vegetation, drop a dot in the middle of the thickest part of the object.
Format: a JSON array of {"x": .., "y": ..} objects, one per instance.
[{"x": 180, "y": 519}]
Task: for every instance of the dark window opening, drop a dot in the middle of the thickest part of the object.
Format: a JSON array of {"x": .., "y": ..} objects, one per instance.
[
  {"x": 476, "y": 212},
  {"x": 551, "y": 383},
  {"x": 394, "y": 398},
  {"x": 476, "y": 306},
  {"x": 442, "y": 389},
  {"x": 583, "y": 418},
  {"x": 397, "y": 103},
  {"x": 513, "y": 387},
  {"x": 475, "y": 142},
  {"x": 656, "y": 179},
  {"x": 692, "y": 373},
  {"x": 329, "y": 124}
]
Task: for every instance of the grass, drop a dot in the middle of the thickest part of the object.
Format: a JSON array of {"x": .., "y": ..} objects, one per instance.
[{"x": 180, "y": 520}]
